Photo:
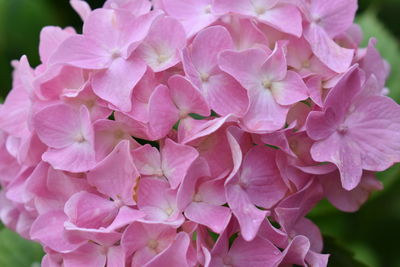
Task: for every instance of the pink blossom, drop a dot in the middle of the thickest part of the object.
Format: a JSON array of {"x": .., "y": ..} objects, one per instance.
[{"x": 194, "y": 133}]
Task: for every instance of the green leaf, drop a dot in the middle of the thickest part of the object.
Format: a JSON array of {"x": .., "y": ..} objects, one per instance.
[
  {"x": 18, "y": 252},
  {"x": 387, "y": 45},
  {"x": 340, "y": 256}
]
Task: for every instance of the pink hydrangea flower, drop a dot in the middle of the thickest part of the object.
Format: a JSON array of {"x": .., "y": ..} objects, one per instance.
[{"x": 194, "y": 133}]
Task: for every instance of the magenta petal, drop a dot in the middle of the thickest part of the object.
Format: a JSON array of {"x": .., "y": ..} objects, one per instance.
[{"x": 115, "y": 84}]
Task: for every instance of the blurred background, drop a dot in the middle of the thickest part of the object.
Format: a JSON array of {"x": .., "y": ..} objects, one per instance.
[{"x": 369, "y": 237}]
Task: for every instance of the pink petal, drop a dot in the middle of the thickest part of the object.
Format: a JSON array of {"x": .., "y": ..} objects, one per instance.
[
  {"x": 48, "y": 228},
  {"x": 225, "y": 95},
  {"x": 335, "y": 17},
  {"x": 186, "y": 97},
  {"x": 261, "y": 178},
  {"x": 258, "y": 253},
  {"x": 249, "y": 217},
  {"x": 81, "y": 7},
  {"x": 147, "y": 160},
  {"x": 331, "y": 54},
  {"x": 213, "y": 216},
  {"x": 88, "y": 255},
  {"x": 203, "y": 53},
  {"x": 290, "y": 90},
  {"x": 176, "y": 160},
  {"x": 118, "y": 165},
  {"x": 82, "y": 52},
  {"x": 193, "y": 14},
  {"x": 174, "y": 255},
  {"x": 90, "y": 211},
  {"x": 163, "y": 113},
  {"x": 115, "y": 84},
  {"x": 264, "y": 114},
  {"x": 50, "y": 39},
  {"x": 244, "y": 66},
  {"x": 161, "y": 49}
]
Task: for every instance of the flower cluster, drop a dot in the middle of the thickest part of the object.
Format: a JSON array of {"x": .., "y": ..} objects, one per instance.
[{"x": 194, "y": 132}]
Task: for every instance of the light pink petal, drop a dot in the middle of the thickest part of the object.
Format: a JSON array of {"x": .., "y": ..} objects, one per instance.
[
  {"x": 186, "y": 97},
  {"x": 307, "y": 228},
  {"x": 73, "y": 158},
  {"x": 275, "y": 67},
  {"x": 212, "y": 216},
  {"x": 348, "y": 201},
  {"x": 335, "y": 17},
  {"x": 81, "y": 7},
  {"x": 72, "y": 140},
  {"x": 245, "y": 7},
  {"x": 264, "y": 114},
  {"x": 186, "y": 191},
  {"x": 190, "y": 129},
  {"x": 108, "y": 134},
  {"x": 153, "y": 192},
  {"x": 258, "y": 253},
  {"x": 193, "y": 14},
  {"x": 161, "y": 49},
  {"x": 116, "y": 175},
  {"x": 277, "y": 18},
  {"x": 373, "y": 64},
  {"x": 331, "y": 54},
  {"x": 88, "y": 255},
  {"x": 125, "y": 216},
  {"x": 244, "y": 66},
  {"x": 137, "y": 236},
  {"x": 290, "y": 90},
  {"x": 50, "y": 39},
  {"x": 174, "y": 255},
  {"x": 90, "y": 211},
  {"x": 254, "y": 36},
  {"x": 204, "y": 53},
  {"x": 115, "y": 257},
  {"x": 163, "y": 113},
  {"x": 82, "y": 52},
  {"x": 73, "y": 128},
  {"x": 115, "y": 84},
  {"x": 261, "y": 178},
  {"x": 147, "y": 160},
  {"x": 212, "y": 192},
  {"x": 225, "y": 95},
  {"x": 17, "y": 105},
  {"x": 296, "y": 251},
  {"x": 176, "y": 160},
  {"x": 138, "y": 8},
  {"x": 374, "y": 127},
  {"x": 48, "y": 228},
  {"x": 249, "y": 217}
]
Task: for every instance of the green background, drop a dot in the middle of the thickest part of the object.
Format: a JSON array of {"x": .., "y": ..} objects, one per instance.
[{"x": 369, "y": 237}]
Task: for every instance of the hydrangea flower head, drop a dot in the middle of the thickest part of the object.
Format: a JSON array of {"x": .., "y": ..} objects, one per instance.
[{"x": 194, "y": 133}]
